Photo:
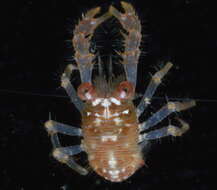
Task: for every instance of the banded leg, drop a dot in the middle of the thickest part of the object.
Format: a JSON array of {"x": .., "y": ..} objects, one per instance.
[
  {"x": 154, "y": 83},
  {"x": 81, "y": 42},
  {"x": 164, "y": 112},
  {"x": 54, "y": 127},
  {"x": 64, "y": 155},
  {"x": 165, "y": 131},
  {"x": 70, "y": 90},
  {"x": 132, "y": 39}
]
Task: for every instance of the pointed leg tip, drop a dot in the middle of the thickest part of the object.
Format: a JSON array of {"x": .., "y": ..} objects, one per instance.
[
  {"x": 193, "y": 103},
  {"x": 127, "y": 6},
  {"x": 111, "y": 9},
  {"x": 169, "y": 63},
  {"x": 90, "y": 14}
]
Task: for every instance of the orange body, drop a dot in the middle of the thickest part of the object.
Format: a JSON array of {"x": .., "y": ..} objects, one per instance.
[{"x": 111, "y": 138}]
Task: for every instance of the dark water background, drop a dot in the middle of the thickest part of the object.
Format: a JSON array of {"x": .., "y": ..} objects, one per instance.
[{"x": 32, "y": 59}]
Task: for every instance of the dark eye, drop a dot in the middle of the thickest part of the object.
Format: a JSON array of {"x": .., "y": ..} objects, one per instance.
[
  {"x": 125, "y": 90},
  {"x": 86, "y": 91}
]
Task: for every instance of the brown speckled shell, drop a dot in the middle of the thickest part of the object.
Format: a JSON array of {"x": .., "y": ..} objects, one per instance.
[{"x": 124, "y": 149}]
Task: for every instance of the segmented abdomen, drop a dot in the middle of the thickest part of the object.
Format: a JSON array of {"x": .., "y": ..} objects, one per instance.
[{"x": 111, "y": 139}]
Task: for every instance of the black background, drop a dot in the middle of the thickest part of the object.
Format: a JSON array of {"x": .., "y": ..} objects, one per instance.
[{"x": 32, "y": 60}]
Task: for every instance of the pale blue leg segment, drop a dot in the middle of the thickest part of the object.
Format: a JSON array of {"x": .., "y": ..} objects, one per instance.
[
  {"x": 54, "y": 127},
  {"x": 64, "y": 155},
  {"x": 70, "y": 90},
  {"x": 154, "y": 83},
  {"x": 165, "y": 131},
  {"x": 169, "y": 108},
  {"x": 55, "y": 140},
  {"x": 131, "y": 72}
]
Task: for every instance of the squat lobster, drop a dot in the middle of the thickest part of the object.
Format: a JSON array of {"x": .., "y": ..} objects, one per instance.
[{"x": 112, "y": 135}]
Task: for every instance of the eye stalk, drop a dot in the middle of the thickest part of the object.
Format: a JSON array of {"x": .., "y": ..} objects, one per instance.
[
  {"x": 125, "y": 91},
  {"x": 86, "y": 91}
]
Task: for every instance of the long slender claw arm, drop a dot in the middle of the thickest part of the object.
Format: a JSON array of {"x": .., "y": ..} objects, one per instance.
[
  {"x": 64, "y": 155},
  {"x": 165, "y": 131},
  {"x": 164, "y": 112},
  {"x": 81, "y": 42},
  {"x": 70, "y": 90},
  {"x": 54, "y": 127},
  {"x": 154, "y": 83},
  {"x": 132, "y": 39}
]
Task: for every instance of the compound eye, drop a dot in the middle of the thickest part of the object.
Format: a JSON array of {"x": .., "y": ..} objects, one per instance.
[
  {"x": 86, "y": 91},
  {"x": 125, "y": 90}
]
